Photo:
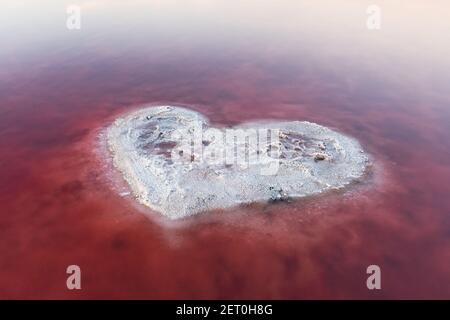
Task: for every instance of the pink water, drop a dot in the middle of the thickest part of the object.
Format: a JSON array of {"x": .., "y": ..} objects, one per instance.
[{"x": 59, "y": 197}]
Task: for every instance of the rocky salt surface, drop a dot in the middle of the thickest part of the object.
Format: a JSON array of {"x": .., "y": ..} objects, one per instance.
[{"x": 295, "y": 159}]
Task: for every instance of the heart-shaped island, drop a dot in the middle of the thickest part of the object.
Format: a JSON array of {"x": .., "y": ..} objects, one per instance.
[{"x": 178, "y": 164}]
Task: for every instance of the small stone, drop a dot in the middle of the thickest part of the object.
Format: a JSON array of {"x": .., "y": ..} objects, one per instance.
[
  {"x": 319, "y": 157},
  {"x": 282, "y": 135},
  {"x": 277, "y": 194}
]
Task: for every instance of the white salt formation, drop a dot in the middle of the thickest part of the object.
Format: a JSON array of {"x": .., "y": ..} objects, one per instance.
[{"x": 178, "y": 165}]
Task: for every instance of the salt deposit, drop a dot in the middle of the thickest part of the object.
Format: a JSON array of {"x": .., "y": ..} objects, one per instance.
[{"x": 178, "y": 164}]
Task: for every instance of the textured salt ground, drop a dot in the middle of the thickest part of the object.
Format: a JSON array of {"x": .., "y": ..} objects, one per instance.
[{"x": 310, "y": 159}]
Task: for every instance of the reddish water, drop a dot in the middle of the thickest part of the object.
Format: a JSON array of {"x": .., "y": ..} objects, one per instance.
[{"x": 59, "y": 199}]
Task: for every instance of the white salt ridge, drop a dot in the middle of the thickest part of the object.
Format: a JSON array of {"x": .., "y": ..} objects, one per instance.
[{"x": 313, "y": 159}]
